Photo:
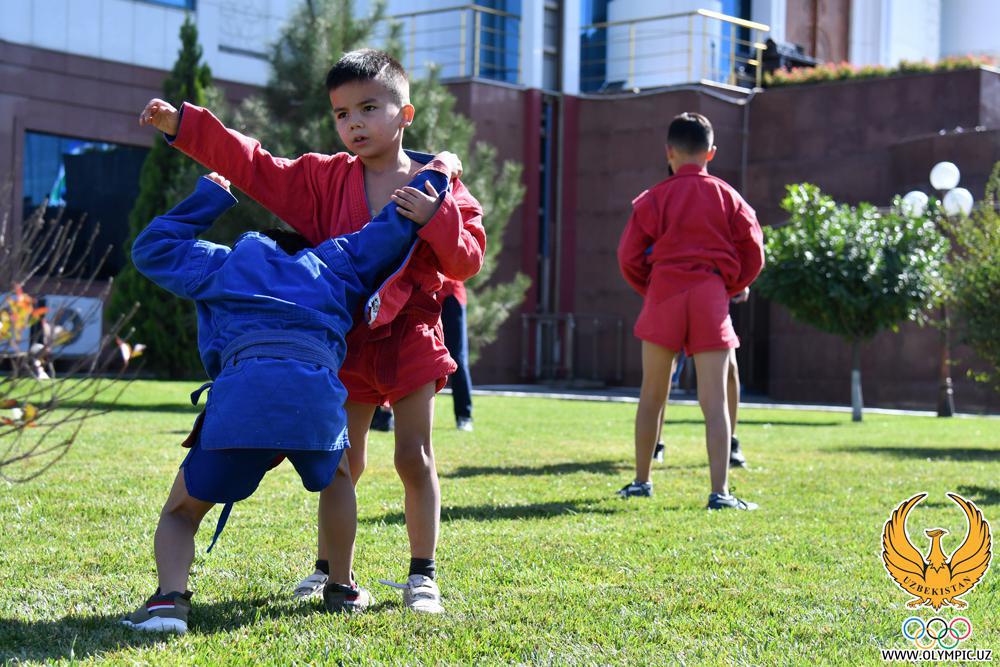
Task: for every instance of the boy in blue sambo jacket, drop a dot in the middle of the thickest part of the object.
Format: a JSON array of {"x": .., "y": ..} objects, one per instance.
[{"x": 272, "y": 315}]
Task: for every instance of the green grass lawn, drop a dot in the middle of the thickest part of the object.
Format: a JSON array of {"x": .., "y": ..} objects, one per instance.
[{"x": 538, "y": 561}]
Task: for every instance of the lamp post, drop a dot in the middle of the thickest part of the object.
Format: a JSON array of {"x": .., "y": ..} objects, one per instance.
[{"x": 944, "y": 178}]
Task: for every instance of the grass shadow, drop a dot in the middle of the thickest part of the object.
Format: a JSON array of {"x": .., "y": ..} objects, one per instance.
[
  {"x": 975, "y": 454},
  {"x": 980, "y": 495},
  {"x": 75, "y": 637},
  {"x": 607, "y": 467},
  {"x": 503, "y": 512},
  {"x": 184, "y": 406},
  {"x": 759, "y": 422}
]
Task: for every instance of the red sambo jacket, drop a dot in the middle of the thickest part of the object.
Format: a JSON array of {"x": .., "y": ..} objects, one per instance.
[{"x": 322, "y": 196}]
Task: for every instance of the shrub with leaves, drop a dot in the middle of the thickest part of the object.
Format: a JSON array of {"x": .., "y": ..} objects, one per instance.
[
  {"x": 974, "y": 277},
  {"x": 845, "y": 71},
  {"x": 852, "y": 271},
  {"x": 42, "y": 413},
  {"x": 165, "y": 322},
  {"x": 293, "y": 117}
]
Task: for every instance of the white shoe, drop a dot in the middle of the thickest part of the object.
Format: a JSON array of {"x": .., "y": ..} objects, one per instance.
[
  {"x": 420, "y": 594},
  {"x": 311, "y": 585}
]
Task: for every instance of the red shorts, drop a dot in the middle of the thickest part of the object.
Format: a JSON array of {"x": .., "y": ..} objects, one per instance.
[
  {"x": 696, "y": 320},
  {"x": 395, "y": 361}
]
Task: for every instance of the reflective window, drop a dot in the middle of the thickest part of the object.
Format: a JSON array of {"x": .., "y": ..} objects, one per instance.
[
  {"x": 181, "y": 4},
  {"x": 93, "y": 181},
  {"x": 499, "y": 41}
]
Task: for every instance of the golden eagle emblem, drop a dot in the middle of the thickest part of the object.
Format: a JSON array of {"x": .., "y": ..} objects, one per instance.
[{"x": 936, "y": 580}]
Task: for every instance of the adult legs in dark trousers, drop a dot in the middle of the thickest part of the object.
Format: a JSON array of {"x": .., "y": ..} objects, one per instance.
[{"x": 456, "y": 339}]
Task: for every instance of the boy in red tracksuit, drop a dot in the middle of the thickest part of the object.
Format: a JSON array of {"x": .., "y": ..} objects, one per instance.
[
  {"x": 692, "y": 243},
  {"x": 399, "y": 358}
]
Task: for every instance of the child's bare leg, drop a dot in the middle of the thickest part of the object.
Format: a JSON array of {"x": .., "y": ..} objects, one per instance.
[
  {"x": 712, "y": 368},
  {"x": 173, "y": 543},
  {"x": 415, "y": 464},
  {"x": 359, "y": 418},
  {"x": 657, "y": 361},
  {"x": 659, "y": 421},
  {"x": 338, "y": 515},
  {"x": 733, "y": 389}
]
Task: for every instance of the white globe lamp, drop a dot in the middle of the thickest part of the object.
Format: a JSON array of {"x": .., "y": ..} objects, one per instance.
[
  {"x": 958, "y": 202},
  {"x": 945, "y": 176},
  {"x": 915, "y": 203}
]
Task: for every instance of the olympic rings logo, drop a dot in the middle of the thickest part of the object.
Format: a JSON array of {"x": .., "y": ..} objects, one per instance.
[{"x": 937, "y": 632}]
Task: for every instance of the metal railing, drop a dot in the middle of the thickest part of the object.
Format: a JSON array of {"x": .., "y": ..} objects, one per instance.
[
  {"x": 691, "y": 47},
  {"x": 463, "y": 41},
  {"x": 572, "y": 347}
]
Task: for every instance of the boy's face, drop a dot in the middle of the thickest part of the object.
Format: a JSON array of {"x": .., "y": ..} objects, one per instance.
[{"x": 369, "y": 120}]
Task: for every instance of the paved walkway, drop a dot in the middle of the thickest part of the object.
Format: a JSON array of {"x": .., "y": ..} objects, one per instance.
[{"x": 631, "y": 395}]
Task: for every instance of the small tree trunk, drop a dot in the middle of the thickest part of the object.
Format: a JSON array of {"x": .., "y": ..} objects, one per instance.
[{"x": 857, "y": 402}]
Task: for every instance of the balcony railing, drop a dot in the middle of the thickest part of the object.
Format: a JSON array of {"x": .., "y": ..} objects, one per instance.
[
  {"x": 691, "y": 47},
  {"x": 463, "y": 41}
]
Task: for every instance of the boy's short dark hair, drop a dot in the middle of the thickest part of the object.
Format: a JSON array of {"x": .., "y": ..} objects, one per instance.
[
  {"x": 690, "y": 133},
  {"x": 290, "y": 242},
  {"x": 370, "y": 65}
]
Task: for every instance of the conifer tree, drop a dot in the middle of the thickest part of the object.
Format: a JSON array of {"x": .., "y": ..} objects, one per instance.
[
  {"x": 165, "y": 323},
  {"x": 293, "y": 117}
]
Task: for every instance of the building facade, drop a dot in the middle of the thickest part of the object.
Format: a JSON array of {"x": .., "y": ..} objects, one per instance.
[{"x": 579, "y": 92}]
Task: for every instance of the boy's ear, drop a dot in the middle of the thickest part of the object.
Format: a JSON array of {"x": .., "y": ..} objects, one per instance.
[
  {"x": 408, "y": 112},
  {"x": 710, "y": 154}
]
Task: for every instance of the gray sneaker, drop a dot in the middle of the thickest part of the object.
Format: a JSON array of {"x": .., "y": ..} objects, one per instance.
[
  {"x": 162, "y": 613},
  {"x": 311, "y": 585},
  {"x": 637, "y": 489},
  {"x": 339, "y": 598},
  {"x": 717, "y": 501},
  {"x": 420, "y": 594}
]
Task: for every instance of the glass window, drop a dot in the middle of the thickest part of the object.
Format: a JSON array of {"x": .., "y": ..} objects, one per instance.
[
  {"x": 499, "y": 41},
  {"x": 593, "y": 45},
  {"x": 181, "y": 4},
  {"x": 93, "y": 181}
]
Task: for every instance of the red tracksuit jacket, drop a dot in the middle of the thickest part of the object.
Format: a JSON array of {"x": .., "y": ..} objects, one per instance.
[
  {"x": 322, "y": 196},
  {"x": 686, "y": 228}
]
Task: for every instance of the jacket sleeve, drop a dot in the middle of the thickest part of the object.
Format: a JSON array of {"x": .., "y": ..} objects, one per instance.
[
  {"x": 287, "y": 188},
  {"x": 456, "y": 233},
  {"x": 749, "y": 241},
  {"x": 167, "y": 251},
  {"x": 364, "y": 258},
  {"x": 633, "y": 249}
]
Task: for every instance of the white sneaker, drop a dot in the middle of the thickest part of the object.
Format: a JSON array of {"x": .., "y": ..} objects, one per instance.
[
  {"x": 420, "y": 594},
  {"x": 311, "y": 585}
]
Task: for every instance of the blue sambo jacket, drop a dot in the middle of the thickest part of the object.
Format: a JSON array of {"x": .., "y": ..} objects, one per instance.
[{"x": 271, "y": 326}]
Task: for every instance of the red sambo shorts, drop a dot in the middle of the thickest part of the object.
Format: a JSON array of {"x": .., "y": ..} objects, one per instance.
[
  {"x": 395, "y": 360},
  {"x": 696, "y": 320}
]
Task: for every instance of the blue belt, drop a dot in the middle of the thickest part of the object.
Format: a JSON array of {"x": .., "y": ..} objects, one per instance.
[{"x": 272, "y": 344}]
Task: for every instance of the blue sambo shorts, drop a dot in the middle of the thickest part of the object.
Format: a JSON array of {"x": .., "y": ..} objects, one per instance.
[{"x": 231, "y": 475}]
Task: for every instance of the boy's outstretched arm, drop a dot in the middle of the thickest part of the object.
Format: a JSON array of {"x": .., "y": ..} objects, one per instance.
[
  {"x": 286, "y": 187},
  {"x": 634, "y": 246},
  {"x": 167, "y": 251},
  {"x": 749, "y": 241}
]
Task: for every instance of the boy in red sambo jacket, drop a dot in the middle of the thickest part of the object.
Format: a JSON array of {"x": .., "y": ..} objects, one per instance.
[
  {"x": 399, "y": 358},
  {"x": 692, "y": 243}
]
